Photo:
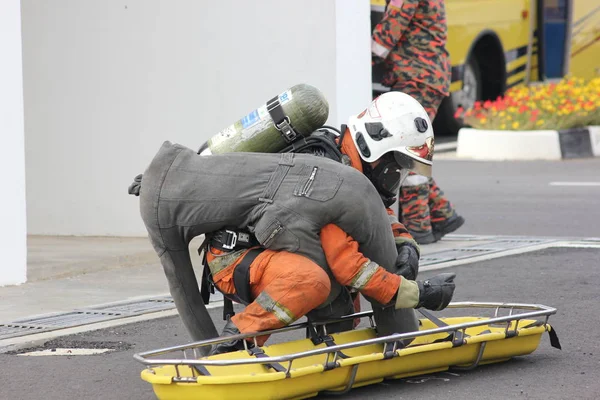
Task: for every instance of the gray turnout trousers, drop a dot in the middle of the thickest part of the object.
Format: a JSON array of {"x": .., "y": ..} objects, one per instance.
[{"x": 285, "y": 199}]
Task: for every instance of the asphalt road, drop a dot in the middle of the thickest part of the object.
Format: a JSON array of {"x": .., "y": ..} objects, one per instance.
[
  {"x": 496, "y": 198},
  {"x": 515, "y": 198}
]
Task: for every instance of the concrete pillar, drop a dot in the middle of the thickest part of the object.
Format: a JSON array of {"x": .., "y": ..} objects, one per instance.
[{"x": 13, "y": 234}]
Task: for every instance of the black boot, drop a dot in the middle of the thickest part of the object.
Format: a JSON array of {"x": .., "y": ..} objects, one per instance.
[
  {"x": 444, "y": 218},
  {"x": 450, "y": 225},
  {"x": 227, "y": 347}
]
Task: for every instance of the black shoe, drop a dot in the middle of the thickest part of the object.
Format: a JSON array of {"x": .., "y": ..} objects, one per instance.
[
  {"x": 448, "y": 226},
  {"x": 423, "y": 237},
  {"x": 227, "y": 347}
]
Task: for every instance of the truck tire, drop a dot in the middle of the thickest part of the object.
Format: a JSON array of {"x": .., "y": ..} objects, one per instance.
[{"x": 472, "y": 91}]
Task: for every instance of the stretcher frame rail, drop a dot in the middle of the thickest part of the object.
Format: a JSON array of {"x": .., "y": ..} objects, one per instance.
[{"x": 532, "y": 311}]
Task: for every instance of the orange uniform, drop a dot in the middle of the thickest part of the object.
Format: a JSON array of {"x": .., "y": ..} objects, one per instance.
[{"x": 286, "y": 286}]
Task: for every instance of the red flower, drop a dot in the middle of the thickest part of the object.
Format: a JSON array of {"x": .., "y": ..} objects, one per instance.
[
  {"x": 459, "y": 112},
  {"x": 522, "y": 109}
]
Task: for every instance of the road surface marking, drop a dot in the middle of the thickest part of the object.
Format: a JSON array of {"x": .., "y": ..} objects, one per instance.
[
  {"x": 65, "y": 352},
  {"x": 574, "y": 183}
]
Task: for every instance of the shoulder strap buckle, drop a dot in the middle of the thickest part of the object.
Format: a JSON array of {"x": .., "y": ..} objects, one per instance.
[{"x": 229, "y": 239}]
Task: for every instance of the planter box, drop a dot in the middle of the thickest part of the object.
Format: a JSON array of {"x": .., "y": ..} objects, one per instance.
[{"x": 479, "y": 144}]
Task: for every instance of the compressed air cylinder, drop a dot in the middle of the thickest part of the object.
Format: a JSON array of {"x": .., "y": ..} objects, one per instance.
[{"x": 295, "y": 113}]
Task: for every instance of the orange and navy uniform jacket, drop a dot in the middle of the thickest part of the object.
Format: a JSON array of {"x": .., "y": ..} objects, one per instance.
[
  {"x": 349, "y": 266},
  {"x": 411, "y": 38}
]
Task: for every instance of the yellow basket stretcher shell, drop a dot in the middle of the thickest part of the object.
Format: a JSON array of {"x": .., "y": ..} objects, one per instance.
[{"x": 301, "y": 369}]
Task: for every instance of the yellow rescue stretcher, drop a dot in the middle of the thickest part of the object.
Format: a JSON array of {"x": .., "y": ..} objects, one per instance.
[{"x": 324, "y": 363}]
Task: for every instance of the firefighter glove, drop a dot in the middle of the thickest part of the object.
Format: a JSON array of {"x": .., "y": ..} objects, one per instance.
[
  {"x": 407, "y": 263},
  {"x": 434, "y": 293}
]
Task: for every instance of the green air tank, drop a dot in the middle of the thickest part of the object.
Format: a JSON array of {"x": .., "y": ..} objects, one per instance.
[{"x": 293, "y": 114}]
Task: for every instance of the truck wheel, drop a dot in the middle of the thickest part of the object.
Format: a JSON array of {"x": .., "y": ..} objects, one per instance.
[{"x": 471, "y": 91}]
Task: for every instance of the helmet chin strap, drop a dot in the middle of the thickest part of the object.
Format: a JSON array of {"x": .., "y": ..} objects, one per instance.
[{"x": 374, "y": 175}]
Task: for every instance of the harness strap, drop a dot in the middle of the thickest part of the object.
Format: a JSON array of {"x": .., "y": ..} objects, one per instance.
[
  {"x": 317, "y": 339},
  {"x": 228, "y": 311},
  {"x": 554, "y": 342},
  {"x": 457, "y": 338},
  {"x": 202, "y": 370},
  {"x": 329, "y": 342},
  {"x": 206, "y": 287},
  {"x": 241, "y": 276},
  {"x": 259, "y": 353}
]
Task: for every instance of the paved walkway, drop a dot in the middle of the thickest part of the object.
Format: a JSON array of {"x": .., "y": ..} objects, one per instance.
[{"x": 65, "y": 273}]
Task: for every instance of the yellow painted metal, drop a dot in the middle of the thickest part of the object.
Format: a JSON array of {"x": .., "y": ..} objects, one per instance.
[
  {"x": 456, "y": 85},
  {"x": 307, "y": 376},
  {"x": 585, "y": 39},
  {"x": 515, "y": 78}
]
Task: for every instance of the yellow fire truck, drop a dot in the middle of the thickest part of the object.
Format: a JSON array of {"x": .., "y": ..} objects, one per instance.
[{"x": 497, "y": 44}]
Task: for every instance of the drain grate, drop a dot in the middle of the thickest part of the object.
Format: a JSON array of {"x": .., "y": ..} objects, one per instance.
[
  {"x": 12, "y": 330},
  {"x": 88, "y": 315},
  {"x": 508, "y": 244},
  {"x": 137, "y": 307},
  {"x": 495, "y": 246},
  {"x": 454, "y": 254},
  {"x": 523, "y": 241},
  {"x": 70, "y": 319}
]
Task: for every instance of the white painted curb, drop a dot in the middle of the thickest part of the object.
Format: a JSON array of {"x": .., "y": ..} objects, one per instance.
[
  {"x": 595, "y": 137},
  {"x": 491, "y": 145},
  {"x": 479, "y": 144}
]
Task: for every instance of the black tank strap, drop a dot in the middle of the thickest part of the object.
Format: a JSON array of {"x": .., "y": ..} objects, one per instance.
[{"x": 282, "y": 122}]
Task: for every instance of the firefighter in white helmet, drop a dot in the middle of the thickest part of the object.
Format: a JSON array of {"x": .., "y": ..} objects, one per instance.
[
  {"x": 276, "y": 268},
  {"x": 389, "y": 139}
]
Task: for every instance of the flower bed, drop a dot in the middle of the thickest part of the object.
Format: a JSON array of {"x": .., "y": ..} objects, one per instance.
[
  {"x": 571, "y": 103},
  {"x": 547, "y": 121}
]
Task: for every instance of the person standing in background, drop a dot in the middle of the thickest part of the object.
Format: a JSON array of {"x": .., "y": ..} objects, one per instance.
[{"x": 411, "y": 42}]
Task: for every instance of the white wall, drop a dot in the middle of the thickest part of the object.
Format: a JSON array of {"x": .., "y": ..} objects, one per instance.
[
  {"x": 106, "y": 82},
  {"x": 13, "y": 240},
  {"x": 353, "y": 57}
]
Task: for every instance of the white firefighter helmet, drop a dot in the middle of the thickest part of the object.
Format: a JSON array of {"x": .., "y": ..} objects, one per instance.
[{"x": 395, "y": 123}]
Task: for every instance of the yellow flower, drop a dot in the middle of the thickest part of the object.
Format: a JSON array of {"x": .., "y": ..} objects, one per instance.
[
  {"x": 502, "y": 114},
  {"x": 539, "y": 122},
  {"x": 515, "y": 125},
  {"x": 503, "y": 126},
  {"x": 483, "y": 120}
]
